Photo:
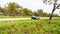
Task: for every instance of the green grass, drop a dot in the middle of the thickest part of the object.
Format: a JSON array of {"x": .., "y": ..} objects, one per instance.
[
  {"x": 15, "y": 16},
  {"x": 30, "y": 27}
]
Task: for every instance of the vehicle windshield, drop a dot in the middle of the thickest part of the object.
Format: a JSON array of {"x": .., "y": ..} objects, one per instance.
[{"x": 36, "y": 14}]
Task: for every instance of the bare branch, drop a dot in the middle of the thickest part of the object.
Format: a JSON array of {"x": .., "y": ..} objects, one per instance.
[
  {"x": 58, "y": 7},
  {"x": 55, "y": 0}
]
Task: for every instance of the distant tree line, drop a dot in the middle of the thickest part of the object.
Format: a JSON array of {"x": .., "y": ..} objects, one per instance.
[{"x": 14, "y": 9}]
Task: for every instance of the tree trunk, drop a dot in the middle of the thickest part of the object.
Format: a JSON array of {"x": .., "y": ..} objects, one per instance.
[{"x": 52, "y": 14}]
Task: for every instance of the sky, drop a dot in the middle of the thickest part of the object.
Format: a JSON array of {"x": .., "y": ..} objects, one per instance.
[{"x": 31, "y": 4}]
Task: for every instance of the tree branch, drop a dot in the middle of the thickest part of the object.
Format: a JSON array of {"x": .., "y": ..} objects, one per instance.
[{"x": 58, "y": 6}]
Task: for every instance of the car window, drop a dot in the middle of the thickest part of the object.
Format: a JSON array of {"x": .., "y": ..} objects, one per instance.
[{"x": 36, "y": 14}]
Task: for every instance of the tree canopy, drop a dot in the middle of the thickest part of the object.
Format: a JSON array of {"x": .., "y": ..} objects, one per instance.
[{"x": 14, "y": 9}]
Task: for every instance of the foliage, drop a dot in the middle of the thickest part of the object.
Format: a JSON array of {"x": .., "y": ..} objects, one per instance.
[
  {"x": 30, "y": 27},
  {"x": 14, "y": 9}
]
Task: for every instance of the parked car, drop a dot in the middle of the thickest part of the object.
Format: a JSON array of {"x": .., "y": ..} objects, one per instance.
[{"x": 35, "y": 16}]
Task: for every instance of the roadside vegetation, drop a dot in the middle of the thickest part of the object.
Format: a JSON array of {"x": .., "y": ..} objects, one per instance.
[
  {"x": 14, "y": 9},
  {"x": 15, "y": 16},
  {"x": 30, "y": 27}
]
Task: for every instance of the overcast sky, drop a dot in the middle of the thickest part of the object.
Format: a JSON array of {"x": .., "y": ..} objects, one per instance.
[{"x": 31, "y": 4}]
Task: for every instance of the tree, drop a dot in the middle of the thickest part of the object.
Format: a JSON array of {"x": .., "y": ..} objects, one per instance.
[
  {"x": 45, "y": 14},
  {"x": 12, "y": 8},
  {"x": 20, "y": 11},
  {"x": 55, "y": 6},
  {"x": 2, "y": 11},
  {"x": 30, "y": 12},
  {"x": 25, "y": 11},
  {"x": 40, "y": 12}
]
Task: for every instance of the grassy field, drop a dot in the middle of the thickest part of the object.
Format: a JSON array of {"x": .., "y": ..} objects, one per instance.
[
  {"x": 30, "y": 27},
  {"x": 15, "y": 16}
]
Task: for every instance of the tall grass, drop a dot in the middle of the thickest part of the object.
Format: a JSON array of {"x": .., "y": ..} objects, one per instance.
[{"x": 30, "y": 27}]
